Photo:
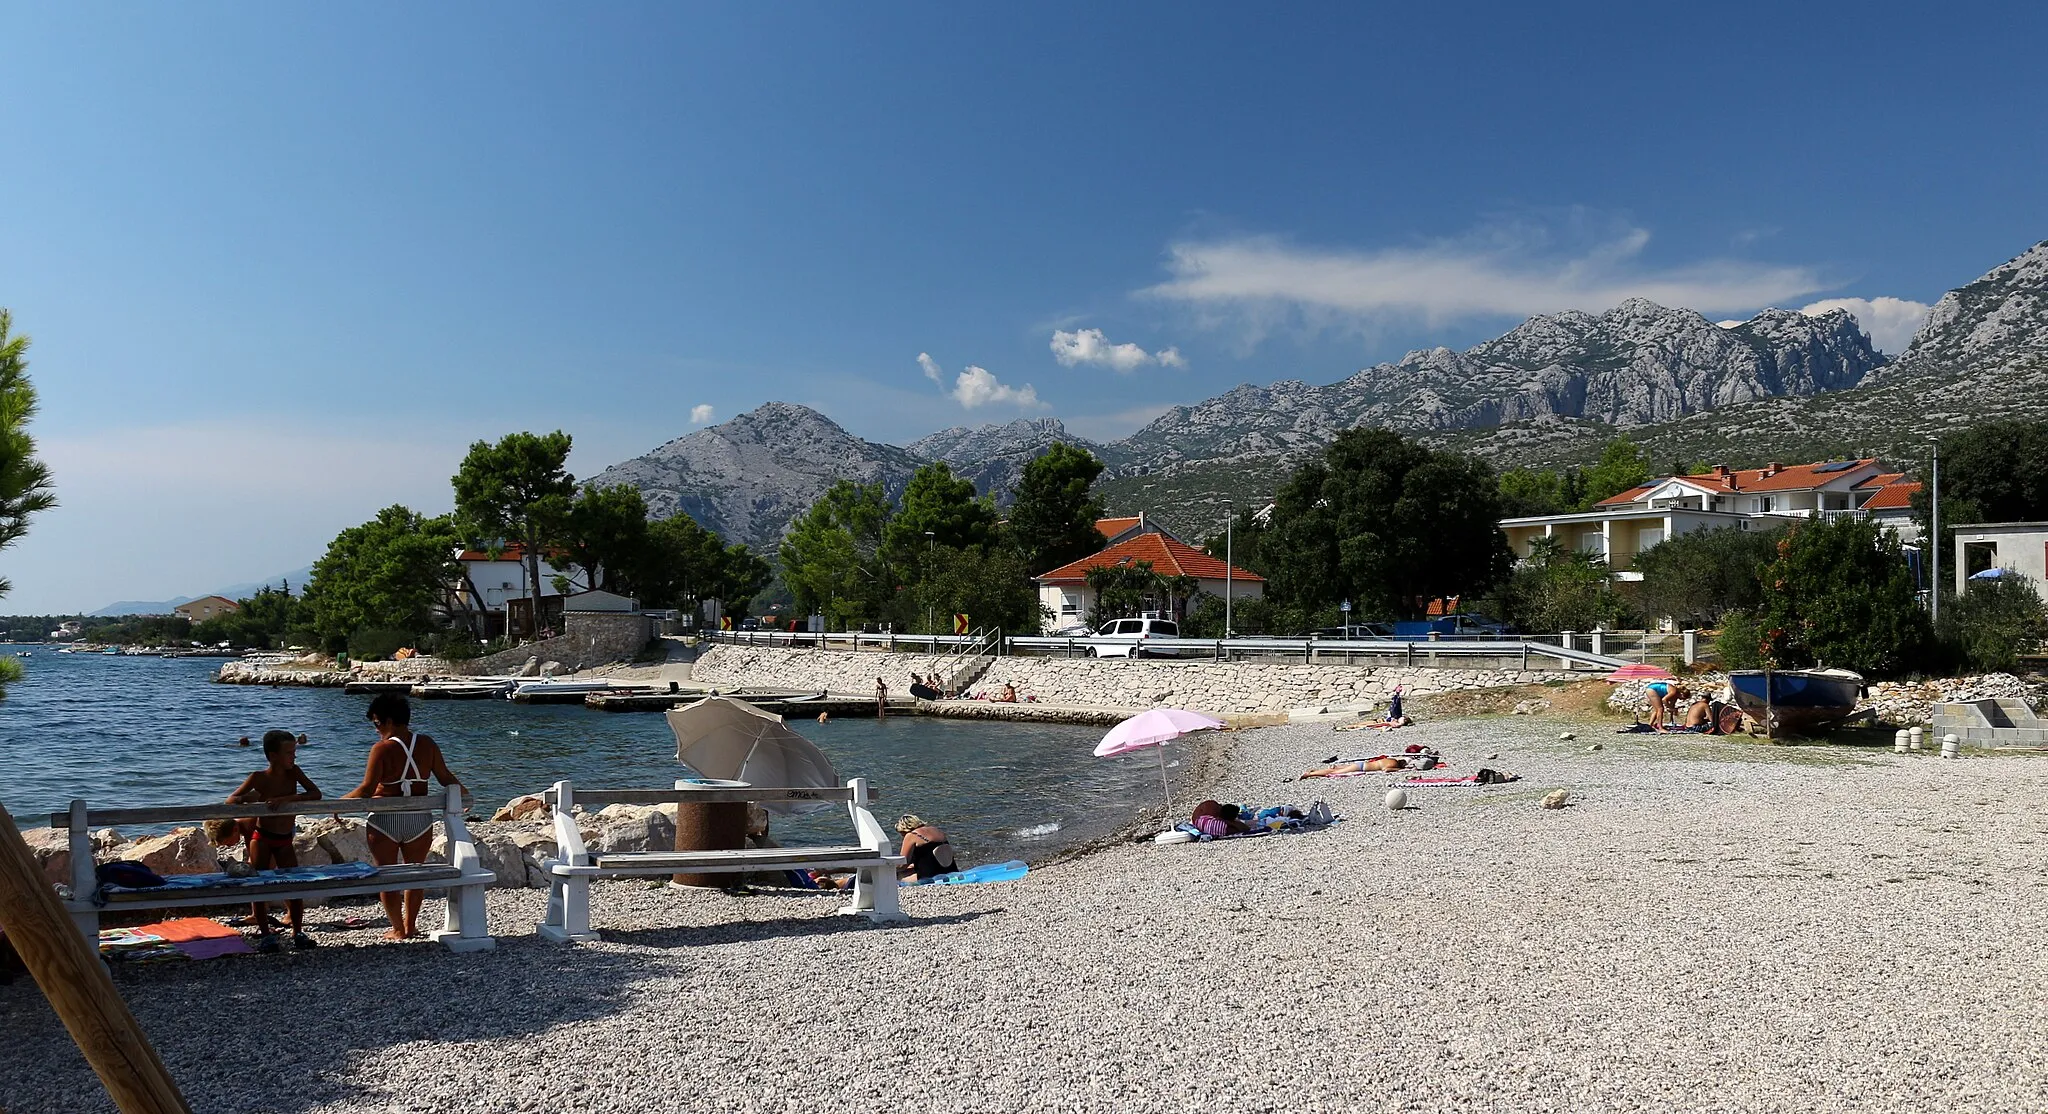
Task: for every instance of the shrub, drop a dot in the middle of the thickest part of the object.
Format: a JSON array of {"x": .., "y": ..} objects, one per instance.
[
  {"x": 1990, "y": 625},
  {"x": 1737, "y": 645},
  {"x": 378, "y": 643}
]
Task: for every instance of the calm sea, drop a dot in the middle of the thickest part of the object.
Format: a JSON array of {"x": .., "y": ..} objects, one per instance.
[{"x": 144, "y": 730}]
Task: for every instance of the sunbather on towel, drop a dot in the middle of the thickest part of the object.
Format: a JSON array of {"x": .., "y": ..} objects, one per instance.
[
  {"x": 1213, "y": 819},
  {"x": 1349, "y": 766},
  {"x": 1377, "y": 725}
]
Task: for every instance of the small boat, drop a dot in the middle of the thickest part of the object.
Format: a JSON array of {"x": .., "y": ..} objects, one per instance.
[
  {"x": 461, "y": 690},
  {"x": 1796, "y": 701},
  {"x": 550, "y": 691}
]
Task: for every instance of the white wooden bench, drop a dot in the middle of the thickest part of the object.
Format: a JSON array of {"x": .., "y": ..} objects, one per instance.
[
  {"x": 463, "y": 875},
  {"x": 873, "y": 857}
]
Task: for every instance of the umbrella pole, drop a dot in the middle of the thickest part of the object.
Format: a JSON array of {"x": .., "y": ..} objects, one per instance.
[{"x": 1164, "y": 788}]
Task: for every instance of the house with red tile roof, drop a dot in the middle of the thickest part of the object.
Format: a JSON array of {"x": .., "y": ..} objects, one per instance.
[
  {"x": 1064, "y": 591},
  {"x": 1625, "y": 524},
  {"x": 492, "y": 585},
  {"x": 1123, "y": 528}
]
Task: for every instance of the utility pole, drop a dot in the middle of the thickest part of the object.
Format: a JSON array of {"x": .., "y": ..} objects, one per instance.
[
  {"x": 1229, "y": 525},
  {"x": 1934, "y": 543},
  {"x": 931, "y": 543}
]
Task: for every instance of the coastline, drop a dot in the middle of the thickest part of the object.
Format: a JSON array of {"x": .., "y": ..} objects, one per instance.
[{"x": 1796, "y": 920}]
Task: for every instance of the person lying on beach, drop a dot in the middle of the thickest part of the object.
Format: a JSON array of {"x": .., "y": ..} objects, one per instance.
[
  {"x": 1214, "y": 819},
  {"x": 270, "y": 837},
  {"x": 1419, "y": 758},
  {"x": 926, "y": 851},
  {"x": 1377, "y": 725}
]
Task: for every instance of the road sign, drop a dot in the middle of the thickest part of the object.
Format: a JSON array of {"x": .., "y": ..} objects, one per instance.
[
  {"x": 725, "y": 622},
  {"x": 960, "y": 622}
]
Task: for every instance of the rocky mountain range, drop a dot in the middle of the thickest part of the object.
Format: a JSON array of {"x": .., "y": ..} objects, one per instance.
[{"x": 1781, "y": 385}]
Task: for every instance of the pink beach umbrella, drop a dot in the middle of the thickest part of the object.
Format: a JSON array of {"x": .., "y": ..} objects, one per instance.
[
  {"x": 1638, "y": 671},
  {"x": 1153, "y": 728}
]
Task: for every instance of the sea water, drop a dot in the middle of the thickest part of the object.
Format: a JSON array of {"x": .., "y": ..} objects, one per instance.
[{"x": 157, "y": 731}]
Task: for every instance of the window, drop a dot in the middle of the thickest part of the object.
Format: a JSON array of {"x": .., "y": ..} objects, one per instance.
[
  {"x": 1766, "y": 504},
  {"x": 1070, "y": 604},
  {"x": 1649, "y": 536}
]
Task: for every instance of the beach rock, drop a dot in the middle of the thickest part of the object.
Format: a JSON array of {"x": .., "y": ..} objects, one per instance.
[
  {"x": 633, "y": 828},
  {"x": 1567, "y": 735},
  {"x": 1597, "y": 746},
  {"x": 344, "y": 840},
  {"x": 520, "y": 808},
  {"x": 549, "y": 669},
  {"x": 181, "y": 851},
  {"x": 106, "y": 839},
  {"x": 1397, "y": 798},
  {"x": 535, "y": 847},
  {"x": 500, "y": 854},
  {"x": 52, "y": 850},
  {"x": 531, "y": 668},
  {"x": 1557, "y": 798}
]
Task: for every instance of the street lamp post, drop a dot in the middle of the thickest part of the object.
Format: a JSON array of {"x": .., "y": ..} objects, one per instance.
[
  {"x": 1934, "y": 543},
  {"x": 1229, "y": 524},
  {"x": 930, "y": 547}
]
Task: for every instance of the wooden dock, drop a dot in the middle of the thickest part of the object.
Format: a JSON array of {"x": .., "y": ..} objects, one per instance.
[{"x": 372, "y": 688}]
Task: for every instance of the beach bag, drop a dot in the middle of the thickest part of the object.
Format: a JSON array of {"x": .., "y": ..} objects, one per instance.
[{"x": 127, "y": 875}]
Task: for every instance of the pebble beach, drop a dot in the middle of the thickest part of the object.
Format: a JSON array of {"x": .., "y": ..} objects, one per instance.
[{"x": 1709, "y": 925}]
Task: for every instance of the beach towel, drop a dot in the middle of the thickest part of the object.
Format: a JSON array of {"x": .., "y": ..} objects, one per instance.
[
  {"x": 198, "y": 937},
  {"x": 1483, "y": 777},
  {"x": 324, "y": 873}
]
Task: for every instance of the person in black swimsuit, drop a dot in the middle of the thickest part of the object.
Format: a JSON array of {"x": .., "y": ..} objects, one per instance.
[{"x": 926, "y": 852}]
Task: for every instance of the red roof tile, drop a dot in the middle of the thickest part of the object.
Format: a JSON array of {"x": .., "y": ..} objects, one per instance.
[
  {"x": 1168, "y": 558},
  {"x": 1892, "y": 497},
  {"x": 1796, "y": 477},
  {"x": 1111, "y": 527}
]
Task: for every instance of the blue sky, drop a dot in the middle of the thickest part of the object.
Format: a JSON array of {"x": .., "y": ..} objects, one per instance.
[{"x": 282, "y": 265}]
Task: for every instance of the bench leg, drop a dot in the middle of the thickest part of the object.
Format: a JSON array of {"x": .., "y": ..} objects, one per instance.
[
  {"x": 874, "y": 896},
  {"x": 465, "y": 929},
  {"x": 568, "y": 918}
]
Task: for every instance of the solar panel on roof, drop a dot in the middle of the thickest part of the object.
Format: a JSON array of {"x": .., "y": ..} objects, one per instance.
[{"x": 1838, "y": 466}]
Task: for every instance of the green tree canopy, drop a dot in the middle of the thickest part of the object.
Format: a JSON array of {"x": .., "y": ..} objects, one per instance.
[
  {"x": 943, "y": 505},
  {"x": 990, "y": 586},
  {"x": 605, "y": 535},
  {"x": 1053, "y": 520},
  {"x": 25, "y": 488},
  {"x": 1558, "y": 589},
  {"x": 1622, "y": 465},
  {"x": 1993, "y": 472},
  {"x": 516, "y": 491},
  {"x": 1991, "y": 624},
  {"x": 390, "y": 573},
  {"x": 1386, "y": 523},
  {"x": 832, "y": 557},
  {"x": 1696, "y": 578},
  {"x": 1840, "y": 593},
  {"x": 684, "y": 564}
]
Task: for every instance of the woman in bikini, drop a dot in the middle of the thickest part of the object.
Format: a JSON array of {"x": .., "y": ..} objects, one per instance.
[
  {"x": 926, "y": 852},
  {"x": 400, "y": 763}
]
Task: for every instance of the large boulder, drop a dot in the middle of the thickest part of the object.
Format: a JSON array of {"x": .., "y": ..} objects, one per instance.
[
  {"x": 335, "y": 840},
  {"x": 52, "y": 850},
  {"x": 531, "y": 668},
  {"x": 521, "y": 808},
  {"x": 181, "y": 851},
  {"x": 633, "y": 828}
]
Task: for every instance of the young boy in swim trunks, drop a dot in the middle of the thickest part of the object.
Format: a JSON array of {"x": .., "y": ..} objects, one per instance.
[{"x": 270, "y": 839}]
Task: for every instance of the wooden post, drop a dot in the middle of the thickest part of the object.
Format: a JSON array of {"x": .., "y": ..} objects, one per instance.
[{"x": 72, "y": 977}]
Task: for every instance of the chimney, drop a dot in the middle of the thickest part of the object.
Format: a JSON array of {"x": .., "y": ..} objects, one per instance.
[
  {"x": 1141, "y": 522},
  {"x": 1721, "y": 470},
  {"x": 1773, "y": 468}
]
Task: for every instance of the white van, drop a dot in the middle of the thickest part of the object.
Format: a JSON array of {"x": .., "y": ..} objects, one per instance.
[{"x": 1125, "y": 638}]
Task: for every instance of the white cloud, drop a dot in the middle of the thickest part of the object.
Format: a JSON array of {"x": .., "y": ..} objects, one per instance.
[
  {"x": 978, "y": 386},
  {"x": 1508, "y": 270},
  {"x": 700, "y": 413},
  {"x": 1092, "y": 346},
  {"x": 1891, "y": 322}
]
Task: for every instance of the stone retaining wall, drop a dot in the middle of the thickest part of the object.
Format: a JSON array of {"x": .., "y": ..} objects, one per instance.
[
  {"x": 588, "y": 638},
  {"x": 1222, "y": 687},
  {"x": 730, "y": 667}
]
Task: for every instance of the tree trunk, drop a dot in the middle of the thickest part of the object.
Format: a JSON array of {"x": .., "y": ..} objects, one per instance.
[{"x": 533, "y": 590}]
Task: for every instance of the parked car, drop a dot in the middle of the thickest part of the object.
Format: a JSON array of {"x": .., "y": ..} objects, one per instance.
[
  {"x": 1125, "y": 638},
  {"x": 1356, "y": 631},
  {"x": 1072, "y": 630},
  {"x": 750, "y": 623},
  {"x": 1453, "y": 626}
]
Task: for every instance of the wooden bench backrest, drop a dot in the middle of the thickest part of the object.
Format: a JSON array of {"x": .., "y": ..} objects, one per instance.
[{"x": 179, "y": 814}]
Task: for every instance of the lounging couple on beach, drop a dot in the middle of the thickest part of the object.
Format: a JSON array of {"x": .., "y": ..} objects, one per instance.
[
  {"x": 399, "y": 765},
  {"x": 1416, "y": 757}
]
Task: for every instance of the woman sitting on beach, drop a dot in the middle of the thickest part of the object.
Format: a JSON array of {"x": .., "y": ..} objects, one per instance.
[
  {"x": 1008, "y": 696},
  {"x": 926, "y": 851},
  {"x": 400, "y": 762}
]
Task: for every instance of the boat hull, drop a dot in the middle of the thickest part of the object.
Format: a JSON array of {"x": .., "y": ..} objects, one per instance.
[{"x": 1796, "y": 701}]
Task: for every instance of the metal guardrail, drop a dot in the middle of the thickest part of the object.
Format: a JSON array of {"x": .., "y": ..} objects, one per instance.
[{"x": 1408, "y": 651}]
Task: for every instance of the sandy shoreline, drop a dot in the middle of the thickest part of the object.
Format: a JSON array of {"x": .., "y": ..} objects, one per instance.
[{"x": 1715, "y": 926}]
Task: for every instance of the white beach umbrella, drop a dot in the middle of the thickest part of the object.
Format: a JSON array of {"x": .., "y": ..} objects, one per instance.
[{"x": 720, "y": 737}]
